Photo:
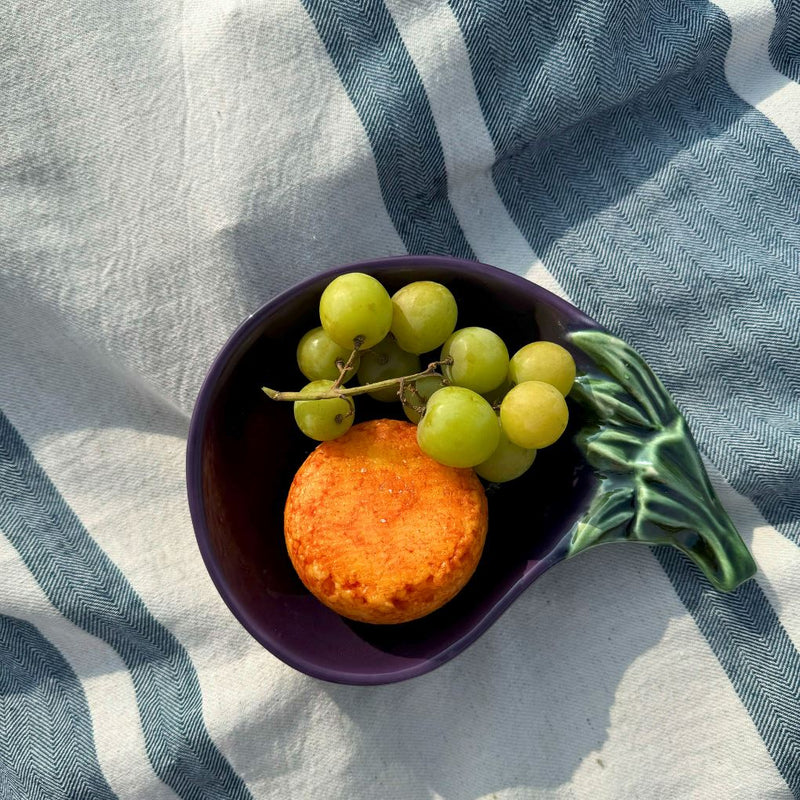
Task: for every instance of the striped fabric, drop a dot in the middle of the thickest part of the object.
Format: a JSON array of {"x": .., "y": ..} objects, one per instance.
[
  {"x": 784, "y": 45},
  {"x": 167, "y": 168}
]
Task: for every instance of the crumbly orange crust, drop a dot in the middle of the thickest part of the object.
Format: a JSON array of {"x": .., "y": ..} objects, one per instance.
[{"x": 380, "y": 532}]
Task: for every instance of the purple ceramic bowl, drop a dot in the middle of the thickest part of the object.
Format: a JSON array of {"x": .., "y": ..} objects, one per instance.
[{"x": 244, "y": 450}]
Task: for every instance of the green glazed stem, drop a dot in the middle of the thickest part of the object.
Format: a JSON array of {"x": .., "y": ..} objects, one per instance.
[{"x": 652, "y": 485}]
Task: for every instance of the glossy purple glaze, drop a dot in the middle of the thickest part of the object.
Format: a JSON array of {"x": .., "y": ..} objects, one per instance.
[{"x": 244, "y": 449}]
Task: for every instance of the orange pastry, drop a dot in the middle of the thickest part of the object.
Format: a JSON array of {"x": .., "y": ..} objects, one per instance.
[{"x": 380, "y": 532}]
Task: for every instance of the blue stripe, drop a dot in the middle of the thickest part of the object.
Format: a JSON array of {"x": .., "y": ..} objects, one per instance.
[
  {"x": 45, "y": 728},
  {"x": 387, "y": 93},
  {"x": 90, "y": 591},
  {"x": 784, "y": 44},
  {"x": 754, "y": 650},
  {"x": 646, "y": 186}
]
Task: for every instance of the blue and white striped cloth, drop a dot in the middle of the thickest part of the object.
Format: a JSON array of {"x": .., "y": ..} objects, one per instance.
[{"x": 167, "y": 167}]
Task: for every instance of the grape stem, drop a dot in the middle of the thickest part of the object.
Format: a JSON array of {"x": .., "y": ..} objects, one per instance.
[
  {"x": 343, "y": 368},
  {"x": 337, "y": 391},
  {"x": 419, "y": 407}
]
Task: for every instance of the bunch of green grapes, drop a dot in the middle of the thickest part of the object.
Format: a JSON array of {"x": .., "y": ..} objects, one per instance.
[{"x": 474, "y": 407}]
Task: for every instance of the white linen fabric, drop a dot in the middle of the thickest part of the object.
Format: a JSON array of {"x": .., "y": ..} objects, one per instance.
[{"x": 169, "y": 167}]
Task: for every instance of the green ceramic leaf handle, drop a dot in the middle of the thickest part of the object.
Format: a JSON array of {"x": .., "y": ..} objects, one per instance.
[{"x": 652, "y": 486}]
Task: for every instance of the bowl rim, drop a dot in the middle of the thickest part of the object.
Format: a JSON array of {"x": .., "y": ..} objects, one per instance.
[{"x": 194, "y": 472}]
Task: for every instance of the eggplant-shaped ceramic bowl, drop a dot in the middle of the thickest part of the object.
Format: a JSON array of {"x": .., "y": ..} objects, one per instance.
[{"x": 626, "y": 469}]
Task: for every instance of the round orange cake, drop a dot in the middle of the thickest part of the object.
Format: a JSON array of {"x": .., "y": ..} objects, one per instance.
[{"x": 380, "y": 532}]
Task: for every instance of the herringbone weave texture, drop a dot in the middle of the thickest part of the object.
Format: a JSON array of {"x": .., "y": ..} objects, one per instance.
[{"x": 168, "y": 167}]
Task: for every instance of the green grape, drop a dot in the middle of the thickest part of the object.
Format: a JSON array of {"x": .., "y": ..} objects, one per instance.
[
  {"x": 424, "y": 314},
  {"x": 459, "y": 428},
  {"x": 317, "y": 354},
  {"x": 534, "y": 414},
  {"x": 384, "y": 361},
  {"x": 543, "y": 361},
  {"x": 480, "y": 359},
  {"x": 323, "y": 419},
  {"x": 508, "y": 461},
  {"x": 355, "y": 306},
  {"x": 418, "y": 393}
]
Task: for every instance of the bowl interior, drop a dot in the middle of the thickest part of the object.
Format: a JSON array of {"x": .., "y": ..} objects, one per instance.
[{"x": 244, "y": 450}]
